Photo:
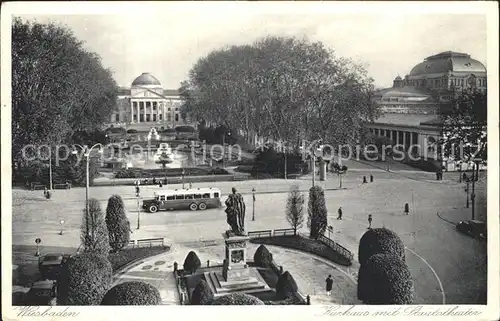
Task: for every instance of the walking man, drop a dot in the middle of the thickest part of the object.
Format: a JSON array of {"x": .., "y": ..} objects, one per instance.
[
  {"x": 369, "y": 221},
  {"x": 371, "y": 178},
  {"x": 340, "y": 214},
  {"x": 364, "y": 179},
  {"x": 407, "y": 208},
  {"x": 329, "y": 285}
]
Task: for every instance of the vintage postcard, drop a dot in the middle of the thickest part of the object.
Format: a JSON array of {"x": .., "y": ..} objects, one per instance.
[{"x": 337, "y": 158}]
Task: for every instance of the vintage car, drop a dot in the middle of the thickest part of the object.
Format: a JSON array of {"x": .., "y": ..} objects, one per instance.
[
  {"x": 50, "y": 265},
  {"x": 42, "y": 293},
  {"x": 473, "y": 228}
]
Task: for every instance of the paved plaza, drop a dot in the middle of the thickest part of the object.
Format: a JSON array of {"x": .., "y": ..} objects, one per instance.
[{"x": 447, "y": 266}]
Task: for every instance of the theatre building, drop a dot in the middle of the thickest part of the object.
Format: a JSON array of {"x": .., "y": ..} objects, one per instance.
[
  {"x": 147, "y": 104},
  {"x": 411, "y": 107}
]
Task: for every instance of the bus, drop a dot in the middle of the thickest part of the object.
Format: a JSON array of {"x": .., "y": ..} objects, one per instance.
[{"x": 179, "y": 199}]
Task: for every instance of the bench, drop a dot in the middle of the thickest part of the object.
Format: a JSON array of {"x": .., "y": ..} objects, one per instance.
[
  {"x": 62, "y": 186},
  {"x": 36, "y": 186},
  {"x": 283, "y": 232},
  {"x": 150, "y": 242},
  {"x": 257, "y": 234},
  {"x": 293, "y": 176}
]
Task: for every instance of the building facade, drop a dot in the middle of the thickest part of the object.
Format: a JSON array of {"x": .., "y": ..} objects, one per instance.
[
  {"x": 147, "y": 104},
  {"x": 411, "y": 107}
]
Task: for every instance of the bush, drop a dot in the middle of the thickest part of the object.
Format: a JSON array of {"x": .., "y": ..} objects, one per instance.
[
  {"x": 237, "y": 299},
  {"x": 202, "y": 294},
  {"x": 262, "y": 256},
  {"x": 317, "y": 213},
  {"x": 295, "y": 208},
  {"x": 380, "y": 240},
  {"x": 192, "y": 262},
  {"x": 117, "y": 223},
  {"x": 84, "y": 280},
  {"x": 385, "y": 279},
  {"x": 94, "y": 232},
  {"x": 132, "y": 293},
  {"x": 268, "y": 161},
  {"x": 286, "y": 286}
]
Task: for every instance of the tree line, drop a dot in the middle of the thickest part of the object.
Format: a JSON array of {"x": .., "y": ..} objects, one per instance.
[{"x": 283, "y": 89}]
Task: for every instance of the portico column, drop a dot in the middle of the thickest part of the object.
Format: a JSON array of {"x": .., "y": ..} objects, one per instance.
[
  {"x": 404, "y": 139},
  {"x": 390, "y": 136},
  {"x": 144, "y": 111},
  {"x": 131, "y": 112},
  {"x": 138, "y": 112},
  {"x": 397, "y": 137}
]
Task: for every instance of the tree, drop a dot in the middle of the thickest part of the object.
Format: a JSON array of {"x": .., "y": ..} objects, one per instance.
[
  {"x": 192, "y": 262},
  {"x": 286, "y": 286},
  {"x": 385, "y": 279},
  {"x": 317, "y": 213},
  {"x": 84, "y": 280},
  {"x": 58, "y": 87},
  {"x": 202, "y": 294},
  {"x": 132, "y": 293},
  {"x": 464, "y": 125},
  {"x": 380, "y": 240},
  {"x": 262, "y": 257},
  {"x": 94, "y": 233},
  {"x": 295, "y": 208},
  {"x": 117, "y": 223}
]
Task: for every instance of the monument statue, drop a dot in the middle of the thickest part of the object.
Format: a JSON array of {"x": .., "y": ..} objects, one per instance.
[{"x": 235, "y": 210}]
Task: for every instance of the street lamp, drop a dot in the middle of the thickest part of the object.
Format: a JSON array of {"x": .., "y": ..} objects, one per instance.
[
  {"x": 182, "y": 177},
  {"x": 467, "y": 194},
  {"x": 62, "y": 223},
  {"x": 224, "y": 146},
  {"x": 87, "y": 152},
  {"x": 138, "y": 210},
  {"x": 253, "y": 205}
]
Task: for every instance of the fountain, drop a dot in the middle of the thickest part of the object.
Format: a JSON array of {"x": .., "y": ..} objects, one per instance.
[{"x": 153, "y": 133}]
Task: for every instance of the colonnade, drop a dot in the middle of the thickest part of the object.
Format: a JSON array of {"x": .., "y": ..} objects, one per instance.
[{"x": 152, "y": 111}]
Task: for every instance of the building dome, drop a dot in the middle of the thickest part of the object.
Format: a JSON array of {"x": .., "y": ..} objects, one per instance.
[
  {"x": 146, "y": 79},
  {"x": 448, "y": 61}
]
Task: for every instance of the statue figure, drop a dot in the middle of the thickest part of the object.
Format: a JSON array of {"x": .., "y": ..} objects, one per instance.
[{"x": 235, "y": 210}]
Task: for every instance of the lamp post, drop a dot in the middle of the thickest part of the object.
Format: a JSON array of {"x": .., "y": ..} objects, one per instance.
[
  {"x": 182, "y": 178},
  {"x": 467, "y": 194},
  {"x": 87, "y": 152},
  {"x": 37, "y": 242},
  {"x": 62, "y": 224},
  {"x": 50, "y": 168},
  {"x": 138, "y": 210},
  {"x": 253, "y": 204},
  {"x": 224, "y": 146}
]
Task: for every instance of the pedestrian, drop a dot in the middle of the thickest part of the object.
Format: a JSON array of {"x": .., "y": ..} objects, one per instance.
[
  {"x": 407, "y": 208},
  {"x": 154, "y": 180},
  {"x": 160, "y": 184},
  {"x": 369, "y": 221},
  {"x": 165, "y": 181},
  {"x": 464, "y": 177},
  {"x": 340, "y": 214},
  {"x": 364, "y": 179},
  {"x": 329, "y": 285},
  {"x": 137, "y": 189},
  {"x": 45, "y": 192},
  {"x": 371, "y": 178}
]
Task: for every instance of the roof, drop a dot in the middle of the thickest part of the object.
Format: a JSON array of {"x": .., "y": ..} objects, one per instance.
[
  {"x": 448, "y": 61},
  {"x": 146, "y": 79},
  {"x": 405, "y": 119},
  {"x": 181, "y": 191},
  {"x": 124, "y": 91},
  {"x": 406, "y": 93}
]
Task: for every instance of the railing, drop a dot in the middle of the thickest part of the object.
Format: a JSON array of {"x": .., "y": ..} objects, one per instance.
[
  {"x": 336, "y": 247},
  {"x": 263, "y": 233}
]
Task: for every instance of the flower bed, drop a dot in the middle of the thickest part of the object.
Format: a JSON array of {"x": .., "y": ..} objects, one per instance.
[
  {"x": 129, "y": 255},
  {"x": 168, "y": 172},
  {"x": 307, "y": 245}
]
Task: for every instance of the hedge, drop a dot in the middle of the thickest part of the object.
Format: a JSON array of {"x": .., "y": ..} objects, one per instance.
[
  {"x": 117, "y": 223},
  {"x": 262, "y": 256},
  {"x": 286, "y": 287},
  {"x": 237, "y": 299},
  {"x": 385, "y": 279},
  {"x": 307, "y": 245},
  {"x": 132, "y": 293},
  {"x": 380, "y": 240},
  {"x": 192, "y": 262},
  {"x": 202, "y": 294},
  {"x": 84, "y": 280},
  {"x": 168, "y": 172}
]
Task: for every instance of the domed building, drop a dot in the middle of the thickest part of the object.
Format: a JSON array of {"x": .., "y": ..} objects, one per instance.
[
  {"x": 411, "y": 107},
  {"x": 146, "y": 103}
]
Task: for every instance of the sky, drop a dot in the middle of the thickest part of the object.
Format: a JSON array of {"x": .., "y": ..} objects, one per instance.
[{"x": 168, "y": 43}]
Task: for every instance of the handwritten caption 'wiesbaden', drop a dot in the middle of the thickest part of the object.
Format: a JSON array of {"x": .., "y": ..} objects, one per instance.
[{"x": 416, "y": 310}]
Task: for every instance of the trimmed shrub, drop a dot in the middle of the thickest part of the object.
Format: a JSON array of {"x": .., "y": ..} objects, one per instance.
[
  {"x": 84, "y": 280},
  {"x": 202, "y": 294},
  {"x": 317, "y": 213},
  {"x": 192, "y": 262},
  {"x": 237, "y": 299},
  {"x": 286, "y": 286},
  {"x": 132, "y": 293},
  {"x": 117, "y": 223},
  {"x": 380, "y": 240},
  {"x": 295, "y": 208},
  {"x": 262, "y": 256},
  {"x": 94, "y": 233},
  {"x": 385, "y": 279}
]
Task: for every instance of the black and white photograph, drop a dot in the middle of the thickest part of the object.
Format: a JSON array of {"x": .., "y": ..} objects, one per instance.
[{"x": 329, "y": 156}]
